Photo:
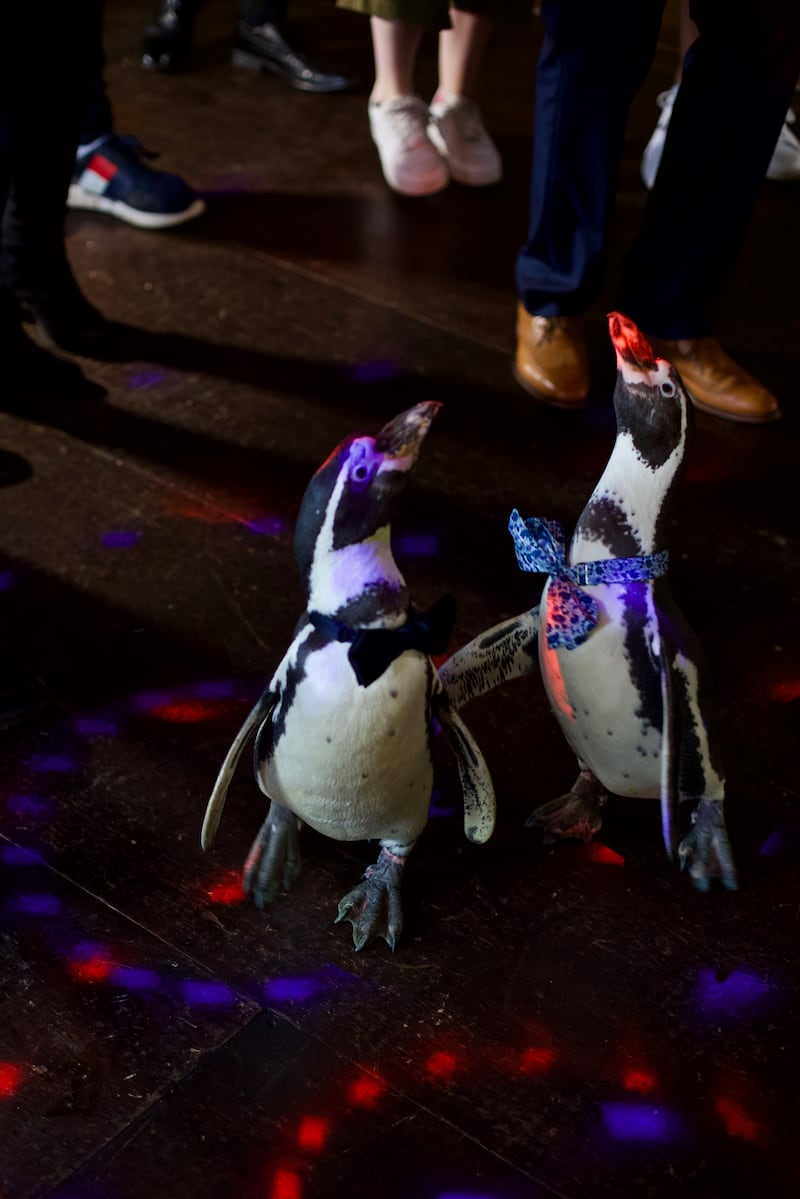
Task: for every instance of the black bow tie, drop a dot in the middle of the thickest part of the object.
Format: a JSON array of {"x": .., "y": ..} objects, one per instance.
[{"x": 373, "y": 650}]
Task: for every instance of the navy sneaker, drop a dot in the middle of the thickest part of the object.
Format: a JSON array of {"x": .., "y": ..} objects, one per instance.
[{"x": 113, "y": 178}]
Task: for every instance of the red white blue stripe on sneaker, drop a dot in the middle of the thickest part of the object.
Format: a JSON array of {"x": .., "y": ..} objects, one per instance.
[{"x": 97, "y": 175}]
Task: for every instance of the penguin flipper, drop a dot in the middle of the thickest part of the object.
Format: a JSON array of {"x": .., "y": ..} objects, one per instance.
[
  {"x": 216, "y": 803},
  {"x": 506, "y": 651},
  {"x": 476, "y": 782},
  {"x": 670, "y": 750}
]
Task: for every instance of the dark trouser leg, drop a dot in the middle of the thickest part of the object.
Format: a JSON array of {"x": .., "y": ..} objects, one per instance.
[
  {"x": 738, "y": 81},
  {"x": 594, "y": 58}
]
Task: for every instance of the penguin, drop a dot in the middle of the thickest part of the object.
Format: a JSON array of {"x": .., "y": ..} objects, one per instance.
[
  {"x": 622, "y": 669},
  {"x": 344, "y": 730}
]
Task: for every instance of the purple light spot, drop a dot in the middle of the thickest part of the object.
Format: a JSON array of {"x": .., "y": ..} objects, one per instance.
[
  {"x": 737, "y": 990},
  {"x": 208, "y": 994},
  {"x": 465, "y": 1195},
  {"x": 418, "y": 545},
  {"x": 213, "y": 689},
  {"x": 28, "y": 805},
  {"x": 296, "y": 990},
  {"x": 7, "y": 579},
  {"x": 96, "y": 726},
  {"x": 145, "y": 701},
  {"x": 89, "y": 951},
  {"x": 638, "y": 1122},
  {"x": 52, "y": 763},
  {"x": 144, "y": 379},
  {"x": 132, "y": 978},
  {"x": 34, "y": 905},
  {"x": 783, "y": 844},
  {"x": 268, "y": 526},
  {"x": 15, "y": 855},
  {"x": 120, "y": 539},
  {"x": 371, "y": 372}
]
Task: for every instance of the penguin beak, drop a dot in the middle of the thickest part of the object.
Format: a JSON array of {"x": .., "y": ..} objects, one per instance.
[
  {"x": 403, "y": 436},
  {"x": 635, "y": 357}
]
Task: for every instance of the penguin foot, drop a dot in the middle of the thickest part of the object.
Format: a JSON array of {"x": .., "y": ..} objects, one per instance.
[
  {"x": 374, "y": 907},
  {"x": 274, "y": 859},
  {"x": 705, "y": 851},
  {"x": 575, "y": 815}
]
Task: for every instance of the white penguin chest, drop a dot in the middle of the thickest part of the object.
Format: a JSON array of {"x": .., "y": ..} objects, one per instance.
[
  {"x": 606, "y": 692},
  {"x": 354, "y": 762}
]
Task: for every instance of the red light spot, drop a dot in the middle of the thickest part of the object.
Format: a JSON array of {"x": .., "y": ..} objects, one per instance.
[
  {"x": 92, "y": 970},
  {"x": 227, "y": 890},
  {"x": 442, "y": 1065},
  {"x": 783, "y": 691},
  {"x": 11, "y": 1075},
  {"x": 643, "y": 1081},
  {"x": 286, "y": 1185},
  {"x": 192, "y": 711},
  {"x": 597, "y": 852},
  {"x": 365, "y": 1092},
  {"x": 536, "y": 1059},
  {"x": 736, "y": 1120},
  {"x": 313, "y": 1134}
]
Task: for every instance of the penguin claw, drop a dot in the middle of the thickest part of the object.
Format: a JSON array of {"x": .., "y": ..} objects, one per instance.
[
  {"x": 274, "y": 859},
  {"x": 576, "y": 815},
  {"x": 374, "y": 907},
  {"x": 705, "y": 851}
]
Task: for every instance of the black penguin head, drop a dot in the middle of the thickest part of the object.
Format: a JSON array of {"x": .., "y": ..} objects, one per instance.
[
  {"x": 350, "y": 502},
  {"x": 650, "y": 400}
]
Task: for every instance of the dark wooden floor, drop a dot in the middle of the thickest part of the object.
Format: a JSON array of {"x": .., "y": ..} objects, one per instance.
[{"x": 572, "y": 1021}]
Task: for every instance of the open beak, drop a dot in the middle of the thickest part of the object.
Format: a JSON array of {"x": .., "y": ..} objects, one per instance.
[
  {"x": 633, "y": 350},
  {"x": 404, "y": 435}
]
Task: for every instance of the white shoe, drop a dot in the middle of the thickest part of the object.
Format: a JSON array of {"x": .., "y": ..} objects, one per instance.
[
  {"x": 784, "y": 164},
  {"x": 459, "y": 134},
  {"x": 410, "y": 161},
  {"x": 785, "y": 161},
  {"x": 651, "y": 158}
]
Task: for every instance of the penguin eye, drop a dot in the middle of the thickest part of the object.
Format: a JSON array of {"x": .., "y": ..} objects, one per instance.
[
  {"x": 360, "y": 475},
  {"x": 667, "y": 388}
]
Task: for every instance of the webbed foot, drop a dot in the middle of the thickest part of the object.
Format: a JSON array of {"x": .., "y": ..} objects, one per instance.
[
  {"x": 274, "y": 859},
  {"x": 578, "y": 814},
  {"x": 374, "y": 907},
  {"x": 705, "y": 851}
]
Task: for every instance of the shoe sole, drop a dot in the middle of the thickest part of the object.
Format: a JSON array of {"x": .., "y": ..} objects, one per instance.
[
  {"x": 80, "y": 199},
  {"x": 262, "y": 66},
  {"x": 545, "y": 397},
  {"x": 734, "y": 416}
]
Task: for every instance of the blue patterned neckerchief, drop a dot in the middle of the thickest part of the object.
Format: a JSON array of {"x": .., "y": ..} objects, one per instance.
[
  {"x": 372, "y": 651},
  {"x": 572, "y": 614}
]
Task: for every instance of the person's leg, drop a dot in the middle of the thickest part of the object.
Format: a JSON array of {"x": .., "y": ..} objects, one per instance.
[
  {"x": 394, "y": 46},
  {"x": 461, "y": 50}
]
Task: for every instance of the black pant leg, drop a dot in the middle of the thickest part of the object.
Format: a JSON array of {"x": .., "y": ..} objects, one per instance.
[{"x": 738, "y": 81}]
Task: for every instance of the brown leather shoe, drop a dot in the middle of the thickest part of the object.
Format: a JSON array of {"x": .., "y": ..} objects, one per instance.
[
  {"x": 716, "y": 383},
  {"x": 552, "y": 363}
]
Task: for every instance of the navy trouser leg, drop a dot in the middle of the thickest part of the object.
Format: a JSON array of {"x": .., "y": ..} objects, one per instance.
[
  {"x": 738, "y": 81},
  {"x": 594, "y": 58}
]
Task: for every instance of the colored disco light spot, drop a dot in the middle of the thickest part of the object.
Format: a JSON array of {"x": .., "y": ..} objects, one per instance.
[
  {"x": 28, "y": 806},
  {"x": 736, "y": 1120},
  {"x": 371, "y": 372},
  {"x": 418, "y": 545},
  {"x": 213, "y": 689},
  {"x": 366, "y": 1091},
  {"x": 228, "y": 890},
  {"x": 51, "y": 763},
  {"x": 95, "y": 969},
  {"x": 442, "y": 1065},
  {"x": 465, "y": 1195},
  {"x": 34, "y": 904},
  {"x": 16, "y": 855},
  {"x": 120, "y": 539},
  {"x": 207, "y": 994},
  {"x": 313, "y": 1133},
  {"x": 268, "y": 525},
  {"x": 144, "y": 379},
  {"x": 191, "y": 711},
  {"x": 536, "y": 1059},
  {"x": 638, "y": 1122},
  {"x": 732, "y": 993},
  {"x": 783, "y": 691},
  {"x": 286, "y": 1184},
  {"x": 11, "y": 1076},
  {"x": 7, "y": 579},
  {"x": 134, "y": 978},
  {"x": 643, "y": 1081},
  {"x": 597, "y": 852},
  {"x": 96, "y": 726},
  {"x": 296, "y": 990},
  {"x": 783, "y": 843}
]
